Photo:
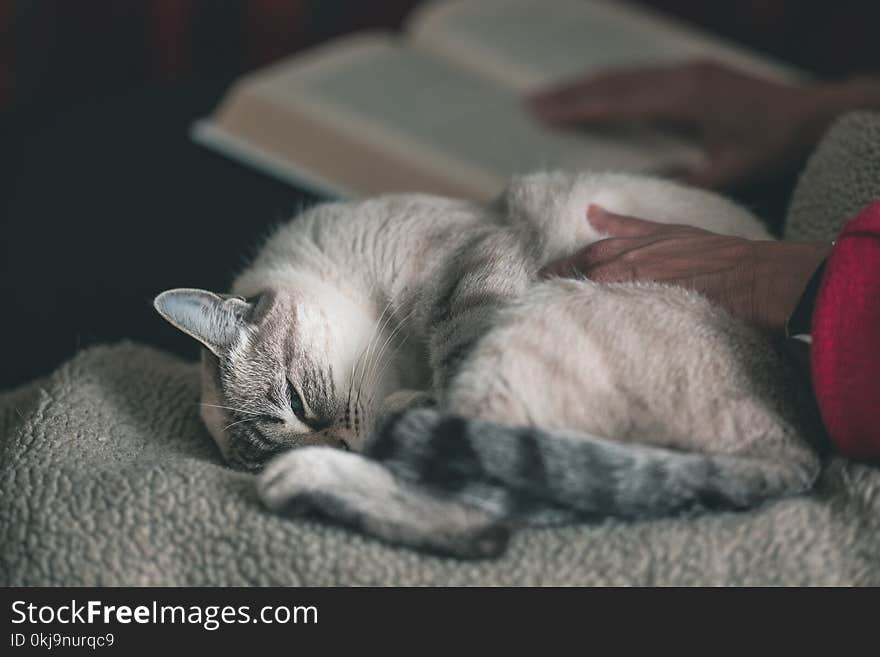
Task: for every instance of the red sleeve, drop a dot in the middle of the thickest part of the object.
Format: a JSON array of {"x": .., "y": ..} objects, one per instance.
[{"x": 845, "y": 354}]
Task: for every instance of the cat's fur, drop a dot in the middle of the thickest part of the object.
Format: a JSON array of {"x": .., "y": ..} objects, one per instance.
[{"x": 415, "y": 331}]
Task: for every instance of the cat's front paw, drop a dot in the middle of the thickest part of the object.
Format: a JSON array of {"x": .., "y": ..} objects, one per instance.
[
  {"x": 353, "y": 490},
  {"x": 290, "y": 479}
]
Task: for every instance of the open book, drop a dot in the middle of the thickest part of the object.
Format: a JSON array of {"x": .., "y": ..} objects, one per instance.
[{"x": 440, "y": 108}]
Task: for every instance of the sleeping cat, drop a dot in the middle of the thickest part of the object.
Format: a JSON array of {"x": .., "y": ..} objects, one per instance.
[{"x": 440, "y": 392}]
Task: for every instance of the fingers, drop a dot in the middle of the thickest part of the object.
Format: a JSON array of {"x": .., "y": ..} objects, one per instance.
[
  {"x": 614, "y": 225},
  {"x": 563, "y": 268},
  {"x": 621, "y": 97},
  {"x": 590, "y": 259},
  {"x": 613, "y": 259},
  {"x": 599, "y": 262},
  {"x": 618, "y": 225}
]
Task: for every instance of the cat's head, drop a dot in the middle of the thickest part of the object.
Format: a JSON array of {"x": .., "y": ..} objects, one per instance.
[{"x": 281, "y": 370}]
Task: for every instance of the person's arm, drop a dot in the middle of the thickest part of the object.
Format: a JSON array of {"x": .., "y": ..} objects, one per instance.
[
  {"x": 758, "y": 281},
  {"x": 762, "y": 282},
  {"x": 845, "y": 352},
  {"x": 749, "y": 127}
]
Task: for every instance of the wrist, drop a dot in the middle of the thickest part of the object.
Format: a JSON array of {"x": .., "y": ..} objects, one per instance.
[
  {"x": 822, "y": 103},
  {"x": 829, "y": 100},
  {"x": 783, "y": 271},
  {"x": 856, "y": 92}
]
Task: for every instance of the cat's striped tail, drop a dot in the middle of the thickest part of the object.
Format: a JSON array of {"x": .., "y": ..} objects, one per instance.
[
  {"x": 452, "y": 485},
  {"x": 533, "y": 470}
]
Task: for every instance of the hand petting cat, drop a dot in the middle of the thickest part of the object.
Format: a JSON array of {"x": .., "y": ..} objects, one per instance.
[{"x": 756, "y": 280}]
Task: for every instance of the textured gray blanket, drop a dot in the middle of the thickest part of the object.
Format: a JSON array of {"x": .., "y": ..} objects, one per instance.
[{"x": 108, "y": 478}]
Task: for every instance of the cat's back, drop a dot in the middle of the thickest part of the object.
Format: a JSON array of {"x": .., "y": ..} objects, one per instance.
[{"x": 373, "y": 240}]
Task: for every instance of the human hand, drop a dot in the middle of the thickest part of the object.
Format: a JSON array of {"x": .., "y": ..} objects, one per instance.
[
  {"x": 757, "y": 281},
  {"x": 749, "y": 127}
]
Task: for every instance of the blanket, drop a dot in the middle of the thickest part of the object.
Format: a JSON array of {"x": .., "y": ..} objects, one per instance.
[
  {"x": 841, "y": 177},
  {"x": 107, "y": 477}
]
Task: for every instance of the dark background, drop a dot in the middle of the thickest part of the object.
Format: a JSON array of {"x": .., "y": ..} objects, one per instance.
[{"x": 104, "y": 201}]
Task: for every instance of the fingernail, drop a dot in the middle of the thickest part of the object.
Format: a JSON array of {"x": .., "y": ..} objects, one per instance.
[
  {"x": 551, "y": 270},
  {"x": 594, "y": 211}
]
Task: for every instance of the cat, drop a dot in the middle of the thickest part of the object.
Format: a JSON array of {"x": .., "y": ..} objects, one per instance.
[{"x": 440, "y": 393}]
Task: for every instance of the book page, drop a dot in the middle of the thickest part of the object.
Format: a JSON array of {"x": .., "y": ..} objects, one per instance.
[
  {"x": 469, "y": 130},
  {"x": 529, "y": 44}
]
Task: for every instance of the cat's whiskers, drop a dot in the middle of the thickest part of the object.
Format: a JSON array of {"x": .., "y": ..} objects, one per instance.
[
  {"x": 362, "y": 358},
  {"x": 376, "y": 375},
  {"x": 375, "y": 355},
  {"x": 380, "y": 365},
  {"x": 388, "y": 360},
  {"x": 241, "y": 411},
  {"x": 381, "y": 325},
  {"x": 247, "y": 419}
]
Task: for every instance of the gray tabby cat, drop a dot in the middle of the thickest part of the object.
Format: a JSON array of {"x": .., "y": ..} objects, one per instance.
[{"x": 466, "y": 395}]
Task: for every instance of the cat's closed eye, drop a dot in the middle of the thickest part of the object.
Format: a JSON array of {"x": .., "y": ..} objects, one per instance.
[{"x": 295, "y": 402}]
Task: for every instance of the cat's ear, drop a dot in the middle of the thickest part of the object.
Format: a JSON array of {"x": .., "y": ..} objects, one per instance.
[{"x": 215, "y": 321}]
